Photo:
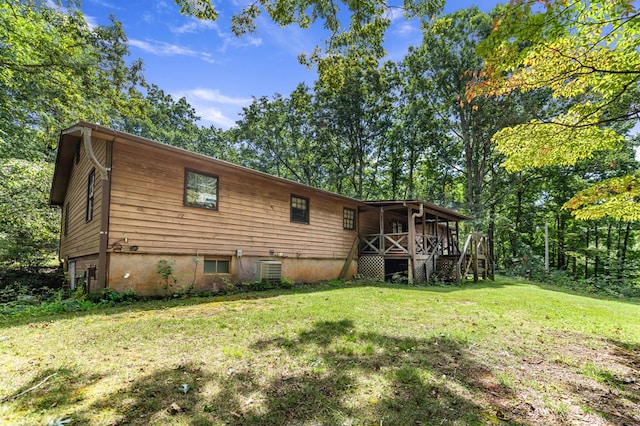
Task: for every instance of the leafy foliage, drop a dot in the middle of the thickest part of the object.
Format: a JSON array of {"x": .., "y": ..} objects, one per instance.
[
  {"x": 55, "y": 70},
  {"x": 29, "y": 227},
  {"x": 616, "y": 197},
  {"x": 356, "y": 28},
  {"x": 586, "y": 54}
]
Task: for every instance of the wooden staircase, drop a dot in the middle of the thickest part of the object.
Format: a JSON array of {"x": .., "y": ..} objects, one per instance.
[{"x": 474, "y": 261}]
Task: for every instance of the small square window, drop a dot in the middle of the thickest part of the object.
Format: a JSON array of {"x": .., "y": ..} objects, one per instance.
[
  {"x": 349, "y": 219},
  {"x": 299, "y": 209},
  {"x": 200, "y": 190},
  {"x": 216, "y": 266}
]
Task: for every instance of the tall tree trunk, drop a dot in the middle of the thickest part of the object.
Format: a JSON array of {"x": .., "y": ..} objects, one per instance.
[
  {"x": 597, "y": 258},
  {"x": 623, "y": 254},
  {"x": 561, "y": 224},
  {"x": 609, "y": 241},
  {"x": 491, "y": 233},
  {"x": 517, "y": 219}
]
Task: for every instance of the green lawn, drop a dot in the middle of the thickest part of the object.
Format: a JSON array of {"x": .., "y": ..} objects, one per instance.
[{"x": 492, "y": 353}]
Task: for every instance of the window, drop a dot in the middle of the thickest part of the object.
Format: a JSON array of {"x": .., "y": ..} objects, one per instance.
[
  {"x": 349, "y": 219},
  {"x": 398, "y": 227},
  {"x": 78, "y": 152},
  {"x": 91, "y": 186},
  {"x": 66, "y": 219},
  {"x": 299, "y": 209},
  {"x": 200, "y": 190},
  {"x": 216, "y": 266}
]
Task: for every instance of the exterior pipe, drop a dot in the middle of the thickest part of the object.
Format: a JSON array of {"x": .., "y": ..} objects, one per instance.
[
  {"x": 106, "y": 199},
  {"x": 86, "y": 139}
]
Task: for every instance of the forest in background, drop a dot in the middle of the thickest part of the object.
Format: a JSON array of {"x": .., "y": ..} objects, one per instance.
[{"x": 418, "y": 128}]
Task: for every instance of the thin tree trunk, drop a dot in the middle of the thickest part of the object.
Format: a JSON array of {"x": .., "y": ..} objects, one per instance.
[
  {"x": 623, "y": 254},
  {"x": 586, "y": 256},
  {"x": 597, "y": 258}
]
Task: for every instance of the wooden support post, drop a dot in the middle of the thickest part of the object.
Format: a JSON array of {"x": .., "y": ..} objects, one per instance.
[
  {"x": 381, "y": 230},
  {"x": 411, "y": 245},
  {"x": 474, "y": 259},
  {"x": 435, "y": 231}
]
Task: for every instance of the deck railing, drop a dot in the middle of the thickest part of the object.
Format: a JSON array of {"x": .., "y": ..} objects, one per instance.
[{"x": 398, "y": 243}]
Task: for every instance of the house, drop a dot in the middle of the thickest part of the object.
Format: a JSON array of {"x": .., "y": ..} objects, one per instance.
[{"x": 145, "y": 216}]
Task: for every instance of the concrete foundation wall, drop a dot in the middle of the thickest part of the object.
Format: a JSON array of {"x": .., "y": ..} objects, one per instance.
[{"x": 139, "y": 272}]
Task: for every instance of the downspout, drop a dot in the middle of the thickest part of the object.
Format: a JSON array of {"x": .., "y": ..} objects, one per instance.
[
  {"x": 412, "y": 239},
  {"x": 104, "y": 211},
  {"x": 86, "y": 140}
]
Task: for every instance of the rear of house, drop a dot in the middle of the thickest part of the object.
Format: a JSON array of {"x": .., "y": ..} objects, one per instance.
[{"x": 131, "y": 205}]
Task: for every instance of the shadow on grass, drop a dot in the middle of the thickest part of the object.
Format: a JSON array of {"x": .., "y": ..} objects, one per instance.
[
  {"x": 159, "y": 398},
  {"x": 364, "y": 378},
  {"x": 57, "y": 390},
  {"x": 615, "y": 394},
  {"x": 337, "y": 375}
]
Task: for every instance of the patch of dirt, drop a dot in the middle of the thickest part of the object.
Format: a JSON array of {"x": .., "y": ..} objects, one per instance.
[{"x": 572, "y": 379}]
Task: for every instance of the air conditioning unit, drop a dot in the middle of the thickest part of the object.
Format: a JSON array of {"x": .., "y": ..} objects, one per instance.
[{"x": 269, "y": 271}]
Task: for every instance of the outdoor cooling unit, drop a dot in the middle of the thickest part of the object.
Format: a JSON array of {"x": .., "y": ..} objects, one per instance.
[{"x": 269, "y": 271}]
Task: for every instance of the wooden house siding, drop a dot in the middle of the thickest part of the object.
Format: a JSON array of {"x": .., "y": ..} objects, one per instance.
[
  {"x": 83, "y": 237},
  {"x": 253, "y": 210},
  {"x": 140, "y": 218}
]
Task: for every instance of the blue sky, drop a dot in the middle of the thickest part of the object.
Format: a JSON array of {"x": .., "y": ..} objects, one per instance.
[{"x": 217, "y": 72}]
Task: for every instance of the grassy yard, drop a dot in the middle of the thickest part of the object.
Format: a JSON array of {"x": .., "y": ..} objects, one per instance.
[{"x": 492, "y": 353}]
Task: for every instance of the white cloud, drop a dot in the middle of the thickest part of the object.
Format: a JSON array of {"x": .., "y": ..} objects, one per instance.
[
  {"x": 212, "y": 106},
  {"x": 105, "y": 4},
  {"x": 161, "y": 48},
  {"x": 405, "y": 28},
  {"x": 230, "y": 40},
  {"x": 91, "y": 21},
  {"x": 395, "y": 14},
  {"x": 193, "y": 26},
  {"x": 216, "y": 117},
  {"x": 214, "y": 95}
]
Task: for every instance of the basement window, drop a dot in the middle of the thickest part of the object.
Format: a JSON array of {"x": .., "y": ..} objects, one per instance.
[
  {"x": 299, "y": 209},
  {"x": 200, "y": 190},
  {"x": 216, "y": 266}
]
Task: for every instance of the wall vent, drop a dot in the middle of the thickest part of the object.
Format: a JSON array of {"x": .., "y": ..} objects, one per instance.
[{"x": 269, "y": 271}]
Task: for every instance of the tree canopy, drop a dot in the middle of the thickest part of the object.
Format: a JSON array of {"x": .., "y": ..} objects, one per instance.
[
  {"x": 356, "y": 28},
  {"x": 56, "y": 69},
  {"x": 587, "y": 54}
]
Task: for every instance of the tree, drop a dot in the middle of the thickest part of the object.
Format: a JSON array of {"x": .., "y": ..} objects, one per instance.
[
  {"x": 278, "y": 137},
  {"x": 354, "y": 119},
  {"x": 445, "y": 62},
  {"x": 163, "y": 119},
  {"x": 586, "y": 53},
  {"x": 28, "y": 225},
  {"x": 54, "y": 70},
  {"x": 361, "y": 37}
]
